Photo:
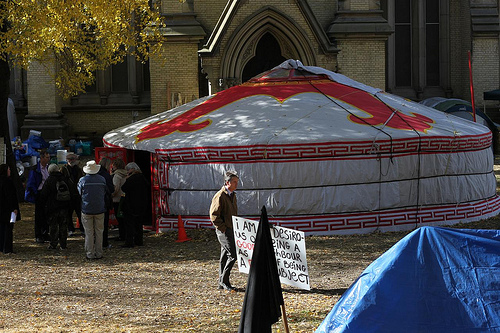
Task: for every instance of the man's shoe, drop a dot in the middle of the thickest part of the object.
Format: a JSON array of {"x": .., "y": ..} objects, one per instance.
[
  {"x": 226, "y": 286},
  {"x": 53, "y": 247},
  {"x": 40, "y": 240}
]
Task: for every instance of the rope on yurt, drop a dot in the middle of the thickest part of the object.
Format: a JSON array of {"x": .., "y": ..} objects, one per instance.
[
  {"x": 455, "y": 131},
  {"x": 419, "y": 155},
  {"x": 352, "y": 114},
  {"x": 380, "y": 130}
]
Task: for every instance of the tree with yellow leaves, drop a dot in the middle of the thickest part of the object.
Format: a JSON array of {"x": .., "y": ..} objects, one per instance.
[{"x": 81, "y": 36}]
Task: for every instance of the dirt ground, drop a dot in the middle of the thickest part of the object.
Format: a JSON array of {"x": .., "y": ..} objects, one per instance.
[{"x": 165, "y": 286}]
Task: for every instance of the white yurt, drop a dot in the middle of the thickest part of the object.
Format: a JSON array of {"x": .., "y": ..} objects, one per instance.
[{"x": 324, "y": 154}]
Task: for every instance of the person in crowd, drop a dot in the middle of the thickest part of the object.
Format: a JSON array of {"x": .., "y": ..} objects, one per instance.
[
  {"x": 56, "y": 195},
  {"x": 222, "y": 209},
  {"x": 73, "y": 172},
  {"x": 93, "y": 189},
  {"x": 136, "y": 205},
  {"x": 105, "y": 164},
  {"x": 119, "y": 177},
  {"x": 8, "y": 205},
  {"x": 34, "y": 185}
]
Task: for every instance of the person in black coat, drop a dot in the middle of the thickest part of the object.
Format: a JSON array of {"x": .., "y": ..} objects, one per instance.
[
  {"x": 136, "y": 205},
  {"x": 57, "y": 206},
  {"x": 73, "y": 172},
  {"x": 8, "y": 205}
]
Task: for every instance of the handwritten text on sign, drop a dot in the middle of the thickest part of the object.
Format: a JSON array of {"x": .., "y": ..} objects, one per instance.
[{"x": 289, "y": 248}]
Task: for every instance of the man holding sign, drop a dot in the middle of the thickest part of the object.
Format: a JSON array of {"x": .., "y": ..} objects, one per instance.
[{"x": 222, "y": 209}]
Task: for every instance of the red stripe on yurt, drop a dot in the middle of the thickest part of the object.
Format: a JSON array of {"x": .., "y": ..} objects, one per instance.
[
  {"x": 328, "y": 149},
  {"x": 350, "y": 223}
]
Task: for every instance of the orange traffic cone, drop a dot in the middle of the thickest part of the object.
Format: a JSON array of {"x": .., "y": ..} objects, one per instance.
[
  {"x": 77, "y": 223},
  {"x": 182, "y": 232}
]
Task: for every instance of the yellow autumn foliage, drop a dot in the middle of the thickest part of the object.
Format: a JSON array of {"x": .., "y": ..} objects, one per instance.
[{"x": 82, "y": 36}]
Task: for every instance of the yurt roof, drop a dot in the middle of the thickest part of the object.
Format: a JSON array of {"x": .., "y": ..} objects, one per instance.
[{"x": 283, "y": 111}]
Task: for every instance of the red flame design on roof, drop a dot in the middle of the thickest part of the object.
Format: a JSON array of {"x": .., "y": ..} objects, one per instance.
[{"x": 377, "y": 113}]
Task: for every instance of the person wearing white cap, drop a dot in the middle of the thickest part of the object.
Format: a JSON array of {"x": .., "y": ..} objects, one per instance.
[{"x": 92, "y": 188}]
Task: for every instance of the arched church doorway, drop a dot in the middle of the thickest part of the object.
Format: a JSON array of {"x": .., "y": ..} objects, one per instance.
[{"x": 267, "y": 56}]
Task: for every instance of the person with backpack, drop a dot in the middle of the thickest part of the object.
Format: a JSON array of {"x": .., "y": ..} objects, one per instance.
[{"x": 56, "y": 195}]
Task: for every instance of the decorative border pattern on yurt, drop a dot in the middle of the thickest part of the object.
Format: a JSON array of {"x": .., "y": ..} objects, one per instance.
[
  {"x": 329, "y": 149},
  {"x": 392, "y": 220}
]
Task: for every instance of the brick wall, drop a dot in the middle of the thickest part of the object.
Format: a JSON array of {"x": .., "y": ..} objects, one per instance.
[
  {"x": 460, "y": 43},
  {"x": 43, "y": 97},
  {"x": 360, "y": 5},
  {"x": 174, "y": 6},
  {"x": 158, "y": 74},
  {"x": 363, "y": 61},
  {"x": 85, "y": 123},
  {"x": 324, "y": 11},
  {"x": 485, "y": 67},
  {"x": 174, "y": 76},
  {"x": 208, "y": 13}
]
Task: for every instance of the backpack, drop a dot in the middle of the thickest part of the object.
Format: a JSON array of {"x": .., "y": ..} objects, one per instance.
[{"x": 62, "y": 191}]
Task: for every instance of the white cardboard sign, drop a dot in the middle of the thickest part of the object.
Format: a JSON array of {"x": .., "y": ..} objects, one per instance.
[{"x": 289, "y": 249}]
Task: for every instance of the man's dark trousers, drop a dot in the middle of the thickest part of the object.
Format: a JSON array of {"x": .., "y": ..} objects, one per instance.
[{"x": 227, "y": 255}]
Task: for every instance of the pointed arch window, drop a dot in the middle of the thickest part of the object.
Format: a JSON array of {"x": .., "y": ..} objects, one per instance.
[{"x": 267, "y": 56}]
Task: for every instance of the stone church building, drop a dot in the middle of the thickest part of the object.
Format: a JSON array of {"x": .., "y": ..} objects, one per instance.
[{"x": 413, "y": 48}]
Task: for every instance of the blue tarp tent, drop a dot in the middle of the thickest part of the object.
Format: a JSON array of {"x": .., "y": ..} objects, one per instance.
[{"x": 433, "y": 280}]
